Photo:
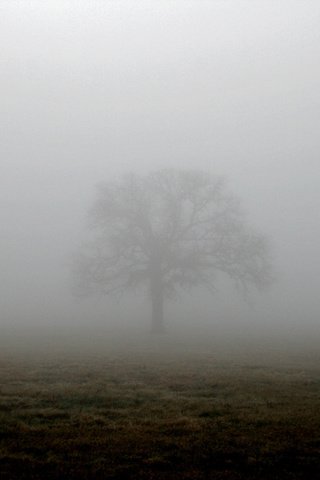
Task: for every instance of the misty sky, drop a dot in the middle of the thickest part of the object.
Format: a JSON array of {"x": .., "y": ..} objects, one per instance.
[{"x": 91, "y": 89}]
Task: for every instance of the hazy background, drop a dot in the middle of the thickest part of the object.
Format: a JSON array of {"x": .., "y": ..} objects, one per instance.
[{"x": 91, "y": 89}]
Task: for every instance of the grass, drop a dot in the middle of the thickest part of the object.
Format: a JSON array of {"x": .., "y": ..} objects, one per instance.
[{"x": 159, "y": 410}]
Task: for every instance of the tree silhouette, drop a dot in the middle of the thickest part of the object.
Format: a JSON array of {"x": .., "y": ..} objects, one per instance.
[{"x": 169, "y": 230}]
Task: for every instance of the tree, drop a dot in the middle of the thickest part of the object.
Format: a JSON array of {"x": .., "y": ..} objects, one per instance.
[{"x": 169, "y": 230}]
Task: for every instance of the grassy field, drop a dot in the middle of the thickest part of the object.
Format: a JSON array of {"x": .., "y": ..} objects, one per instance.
[{"x": 158, "y": 408}]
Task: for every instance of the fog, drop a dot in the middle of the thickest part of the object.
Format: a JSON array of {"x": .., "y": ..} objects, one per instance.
[{"x": 93, "y": 89}]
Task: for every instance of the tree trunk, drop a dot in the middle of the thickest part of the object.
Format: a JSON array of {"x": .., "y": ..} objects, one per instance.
[{"x": 156, "y": 292}]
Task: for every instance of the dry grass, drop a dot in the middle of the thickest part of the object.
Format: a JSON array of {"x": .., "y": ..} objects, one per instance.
[{"x": 159, "y": 413}]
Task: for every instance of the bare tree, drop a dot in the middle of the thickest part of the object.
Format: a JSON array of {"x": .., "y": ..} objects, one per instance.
[{"x": 168, "y": 231}]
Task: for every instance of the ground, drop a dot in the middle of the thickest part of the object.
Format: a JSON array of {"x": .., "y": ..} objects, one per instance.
[{"x": 158, "y": 408}]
